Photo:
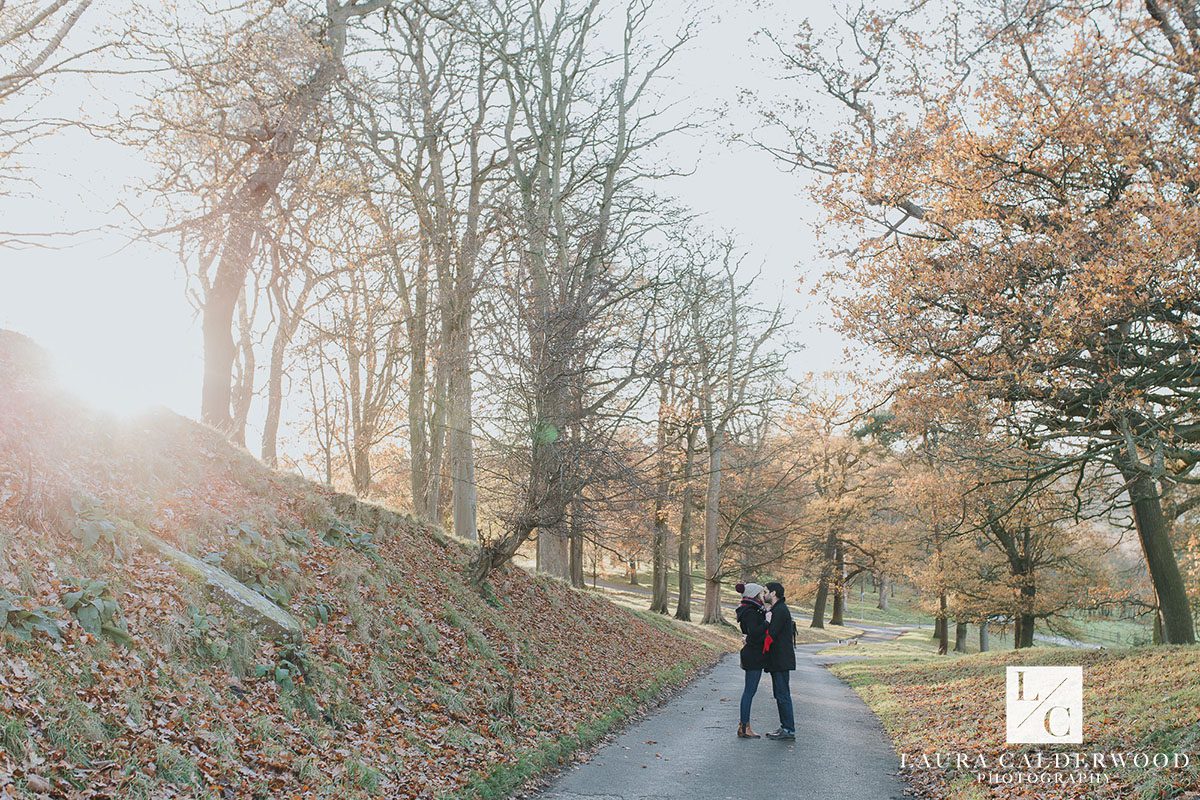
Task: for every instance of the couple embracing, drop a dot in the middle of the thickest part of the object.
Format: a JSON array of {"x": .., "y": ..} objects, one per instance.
[{"x": 771, "y": 647}]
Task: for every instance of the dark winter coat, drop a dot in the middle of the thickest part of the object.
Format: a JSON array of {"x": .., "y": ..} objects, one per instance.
[
  {"x": 753, "y": 622},
  {"x": 782, "y": 655}
]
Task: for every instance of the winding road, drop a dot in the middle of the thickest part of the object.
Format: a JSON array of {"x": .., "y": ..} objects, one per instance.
[{"x": 688, "y": 750}]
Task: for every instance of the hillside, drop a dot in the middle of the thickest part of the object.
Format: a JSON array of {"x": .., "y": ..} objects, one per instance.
[{"x": 129, "y": 672}]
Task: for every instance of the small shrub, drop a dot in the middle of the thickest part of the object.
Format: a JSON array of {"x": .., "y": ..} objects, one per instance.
[
  {"x": 294, "y": 671},
  {"x": 91, "y": 527},
  {"x": 265, "y": 729},
  {"x": 21, "y": 618},
  {"x": 204, "y": 638},
  {"x": 502, "y": 701},
  {"x": 341, "y": 535},
  {"x": 284, "y": 672},
  {"x": 244, "y": 562},
  {"x": 246, "y": 534},
  {"x": 75, "y": 728},
  {"x": 489, "y": 595},
  {"x": 243, "y": 649},
  {"x": 298, "y": 539},
  {"x": 453, "y": 701},
  {"x": 94, "y": 606},
  {"x": 319, "y": 611},
  {"x": 135, "y": 705}
]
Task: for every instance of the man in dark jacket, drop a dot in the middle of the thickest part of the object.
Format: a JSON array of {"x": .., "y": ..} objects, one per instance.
[
  {"x": 781, "y": 659},
  {"x": 752, "y": 620}
]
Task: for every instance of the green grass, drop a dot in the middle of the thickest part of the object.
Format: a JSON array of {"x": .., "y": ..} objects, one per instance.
[
  {"x": 1112, "y": 632},
  {"x": 901, "y": 610},
  {"x": 13, "y": 736},
  {"x": 645, "y": 578},
  {"x": 173, "y": 765},
  {"x": 912, "y": 646}
]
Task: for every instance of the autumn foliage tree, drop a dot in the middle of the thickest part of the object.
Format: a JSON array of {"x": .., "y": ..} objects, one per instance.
[{"x": 1019, "y": 193}]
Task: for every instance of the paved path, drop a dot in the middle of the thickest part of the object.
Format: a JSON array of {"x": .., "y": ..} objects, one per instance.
[{"x": 688, "y": 749}]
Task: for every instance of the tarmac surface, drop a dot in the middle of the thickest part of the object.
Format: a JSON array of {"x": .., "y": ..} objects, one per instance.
[{"x": 688, "y": 748}]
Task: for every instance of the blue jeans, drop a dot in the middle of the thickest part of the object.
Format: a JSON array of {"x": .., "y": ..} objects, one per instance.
[
  {"x": 783, "y": 699},
  {"x": 752, "y": 678}
]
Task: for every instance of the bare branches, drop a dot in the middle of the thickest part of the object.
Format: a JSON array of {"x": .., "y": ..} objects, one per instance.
[{"x": 29, "y": 43}]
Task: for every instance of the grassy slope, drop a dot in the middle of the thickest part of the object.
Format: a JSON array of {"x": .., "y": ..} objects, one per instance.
[
  {"x": 406, "y": 685},
  {"x": 1135, "y": 699}
]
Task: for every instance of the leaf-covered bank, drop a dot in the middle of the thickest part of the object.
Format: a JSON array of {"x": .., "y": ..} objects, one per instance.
[{"x": 124, "y": 677}]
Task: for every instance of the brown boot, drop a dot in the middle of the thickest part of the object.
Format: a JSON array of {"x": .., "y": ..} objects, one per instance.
[{"x": 744, "y": 731}]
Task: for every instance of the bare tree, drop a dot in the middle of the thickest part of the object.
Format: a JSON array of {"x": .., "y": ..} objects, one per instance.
[
  {"x": 33, "y": 50},
  {"x": 432, "y": 129},
  {"x": 739, "y": 356},
  {"x": 356, "y": 363},
  {"x": 575, "y": 134},
  {"x": 249, "y": 91}
]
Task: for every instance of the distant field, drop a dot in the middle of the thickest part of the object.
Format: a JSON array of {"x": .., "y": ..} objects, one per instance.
[{"x": 904, "y": 610}]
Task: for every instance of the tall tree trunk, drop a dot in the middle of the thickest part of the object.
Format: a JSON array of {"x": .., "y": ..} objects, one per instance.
[
  {"x": 960, "y": 637},
  {"x": 882, "y": 605},
  {"x": 1155, "y": 534},
  {"x": 1023, "y": 635},
  {"x": 839, "y": 595},
  {"x": 984, "y": 639},
  {"x": 822, "y": 598},
  {"x": 464, "y": 502},
  {"x": 270, "y": 433},
  {"x": 553, "y": 543},
  {"x": 242, "y": 389},
  {"x": 220, "y": 305},
  {"x": 553, "y": 550},
  {"x": 575, "y": 545},
  {"x": 577, "y": 541},
  {"x": 712, "y": 521},
  {"x": 942, "y": 628},
  {"x": 462, "y": 446},
  {"x": 362, "y": 465},
  {"x": 683, "y": 610},
  {"x": 553, "y": 402},
  {"x": 417, "y": 328},
  {"x": 838, "y": 615},
  {"x": 659, "y": 600},
  {"x": 288, "y": 316}
]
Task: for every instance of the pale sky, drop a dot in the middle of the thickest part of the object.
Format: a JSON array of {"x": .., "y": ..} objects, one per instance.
[{"x": 114, "y": 314}]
